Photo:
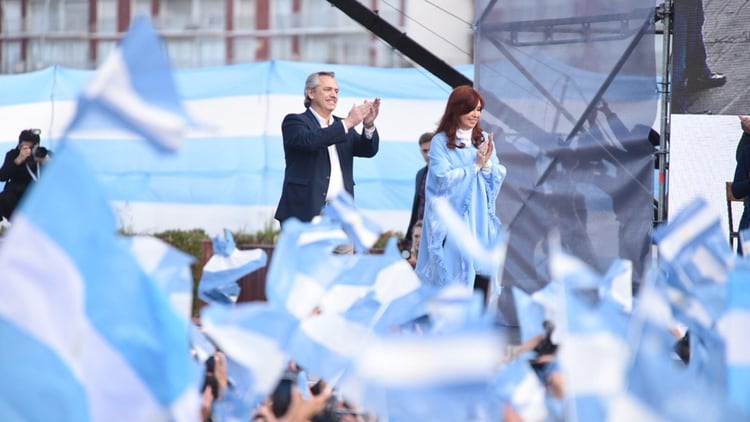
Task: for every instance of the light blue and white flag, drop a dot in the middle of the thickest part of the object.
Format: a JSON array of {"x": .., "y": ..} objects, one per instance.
[
  {"x": 340, "y": 300},
  {"x": 363, "y": 231},
  {"x": 444, "y": 377},
  {"x": 304, "y": 266},
  {"x": 660, "y": 386},
  {"x": 734, "y": 325},
  {"x": 570, "y": 271},
  {"x": 226, "y": 266},
  {"x": 593, "y": 355},
  {"x": 531, "y": 315},
  {"x": 327, "y": 343},
  {"x": 200, "y": 345},
  {"x": 453, "y": 307},
  {"x": 590, "y": 330},
  {"x": 88, "y": 314},
  {"x": 696, "y": 259},
  {"x": 371, "y": 293},
  {"x": 617, "y": 284},
  {"x": 381, "y": 291},
  {"x": 134, "y": 91},
  {"x": 169, "y": 267},
  {"x": 253, "y": 336},
  {"x": 708, "y": 358},
  {"x": 517, "y": 385},
  {"x": 89, "y": 331},
  {"x": 745, "y": 241}
]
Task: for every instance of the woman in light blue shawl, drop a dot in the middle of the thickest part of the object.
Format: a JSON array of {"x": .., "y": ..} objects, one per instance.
[{"x": 464, "y": 170}]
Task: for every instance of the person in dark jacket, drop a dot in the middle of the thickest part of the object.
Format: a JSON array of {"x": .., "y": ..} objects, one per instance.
[
  {"x": 741, "y": 182},
  {"x": 319, "y": 148},
  {"x": 417, "y": 206},
  {"x": 22, "y": 165}
]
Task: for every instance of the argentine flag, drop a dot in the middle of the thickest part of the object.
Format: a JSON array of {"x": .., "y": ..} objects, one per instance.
[
  {"x": 134, "y": 90},
  {"x": 86, "y": 334}
]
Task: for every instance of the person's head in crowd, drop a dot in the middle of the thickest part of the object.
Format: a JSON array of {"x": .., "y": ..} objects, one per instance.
[
  {"x": 463, "y": 111},
  {"x": 425, "y": 140},
  {"x": 29, "y": 137},
  {"x": 416, "y": 236},
  {"x": 28, "y": 145}
]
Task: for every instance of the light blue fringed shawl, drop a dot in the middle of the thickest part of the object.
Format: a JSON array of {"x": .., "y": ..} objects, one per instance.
[{"x": 452, "y": 174}]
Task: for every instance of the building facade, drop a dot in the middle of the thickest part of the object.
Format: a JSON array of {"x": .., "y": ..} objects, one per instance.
[{"x": 79, "y": 33}]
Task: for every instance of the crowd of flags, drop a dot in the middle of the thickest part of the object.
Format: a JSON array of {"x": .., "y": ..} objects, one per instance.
[{"x": 96, "y": 325}]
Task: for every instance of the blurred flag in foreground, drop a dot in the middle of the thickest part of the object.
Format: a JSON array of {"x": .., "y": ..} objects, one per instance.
[
  {"x": 696, "y": 259},
  {"x": 169, "y": 267},
  {"x": 304, "y": 265},
  {"x": 87, "y": 334},
  {"x": 252, "y": 336},
  {"x": 589, "y": 329},
  {"x": 734, "y": 326},
  {"x": 85, "y": 315},
  {"x": 445, "y": 377},
  {"x": 134, "y": 90},
  {"x": 227, "y": 265},
  {"x": 361, "y": 230}
]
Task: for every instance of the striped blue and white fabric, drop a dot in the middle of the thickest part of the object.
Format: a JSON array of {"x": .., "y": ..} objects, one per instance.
[
  {"x": 363, "y": 231},
  {"x": 134, "y": 90},
  {"x": 659, "y": 389},
  {"x": 226, "y": 266},
  {"x": 734, "y": 325},
  {"x": 304, "y": 266},
  {"x": 87, "y": 335},
  {"x": 436, "y": 377},
  {"x": 588, "y": 331},
  {"x": 253, "y": 334},
  {"x": 517, "y": 385},
  {"x": 617, "y": 283},
  {"x": 696, "y": 259},
  {"x": 375, "y": 293},
  {"x": 340, "y": 300},
  {"x": 745, "y": 239},
  {"x": 169, "y": 267},
  {"x": 531, "y": 315}
]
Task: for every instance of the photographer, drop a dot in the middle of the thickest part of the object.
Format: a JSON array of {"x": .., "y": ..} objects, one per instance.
[{"x": 22, "y": 165}]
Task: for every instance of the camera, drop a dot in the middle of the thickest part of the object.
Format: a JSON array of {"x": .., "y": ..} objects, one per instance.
[
  {"x": 405, "y": 253},
  {"x": 40, "y": 151}
]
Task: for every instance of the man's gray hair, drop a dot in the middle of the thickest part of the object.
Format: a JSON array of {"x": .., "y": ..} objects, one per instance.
[{"x": 313, "y": 81}]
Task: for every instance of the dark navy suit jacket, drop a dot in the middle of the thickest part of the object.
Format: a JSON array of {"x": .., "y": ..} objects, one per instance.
[{"x": 308, "y": 167}]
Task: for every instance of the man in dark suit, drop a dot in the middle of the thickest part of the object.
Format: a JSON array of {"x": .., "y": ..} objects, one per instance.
[
  {"x": 319, "y": 148},
  {"x": 417, "y": 205}
]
